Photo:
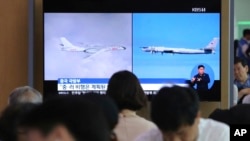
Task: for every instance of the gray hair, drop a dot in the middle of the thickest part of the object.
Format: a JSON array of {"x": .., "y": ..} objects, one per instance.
[{"x": 25, "y": 94}]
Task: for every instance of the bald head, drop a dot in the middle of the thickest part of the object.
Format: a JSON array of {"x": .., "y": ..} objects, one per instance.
[{"x": 25, "y": 94}]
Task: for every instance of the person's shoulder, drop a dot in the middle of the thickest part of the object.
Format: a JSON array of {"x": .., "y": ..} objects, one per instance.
[
  {"x": 151, "y": 135},
  {"x": 206, "y": 74},
  {"x": 146, "y": 122},
  {"x": 242, "y": 41},
  {"x": 210, "y": 123},
  {"x": 213, "y": 130},
  {"x": 246, "y": 99}
]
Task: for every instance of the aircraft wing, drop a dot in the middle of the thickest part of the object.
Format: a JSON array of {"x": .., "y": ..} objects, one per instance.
[
  {"x": 163, "y": 50},
  {"x": 158, "y": 49},
  {"x": 168, "y": 50},
  {"x": 93, "y": 55}
]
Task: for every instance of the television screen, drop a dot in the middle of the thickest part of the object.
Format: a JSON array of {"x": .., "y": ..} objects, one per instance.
[{"x": 176, "y": 45}]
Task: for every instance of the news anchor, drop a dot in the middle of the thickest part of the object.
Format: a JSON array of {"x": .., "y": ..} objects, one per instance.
[{"x": 201, "y": 79}]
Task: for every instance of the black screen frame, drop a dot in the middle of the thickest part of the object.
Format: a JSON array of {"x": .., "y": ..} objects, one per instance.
[{"x": 123, "y": 6}]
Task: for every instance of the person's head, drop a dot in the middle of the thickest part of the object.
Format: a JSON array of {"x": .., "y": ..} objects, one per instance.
[
  {"x": 240, "y": 69},
  {"x": 240, "y": 114},
  {"x": 201, "y": 69},
  {"x": 68, "y": 118},
  {"x": 10, "y": 120},
  {"x": 175, "y": 110},
  {"x": 236, "y": 44},
  {"x": 246, "y": 34},
  {"x": 25, "y": 94},
  {"x": 109, "y": 108},
  {"x": 125, "y": 89}
]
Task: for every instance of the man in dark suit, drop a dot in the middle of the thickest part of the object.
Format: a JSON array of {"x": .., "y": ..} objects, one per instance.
[{"x": 201, "y": 79}]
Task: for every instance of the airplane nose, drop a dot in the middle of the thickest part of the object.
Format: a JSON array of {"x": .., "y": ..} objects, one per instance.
[
  {"x": 144, "y": 47},
  {"x": 124, "y": 48}
]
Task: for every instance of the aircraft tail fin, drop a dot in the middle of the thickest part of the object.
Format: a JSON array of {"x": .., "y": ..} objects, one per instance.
[
  {"x": 66, "y": 43},
  {"x": 212, "y": 44}
]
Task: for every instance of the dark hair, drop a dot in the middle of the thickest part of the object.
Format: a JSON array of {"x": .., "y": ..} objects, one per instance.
[
  {"x": 174, "y": 107},
  {"x": 11, "y": 118},
  {"x": 238, "y": 114},
  {"x": 240, "y": 60},
  {"x": 201, "y": 66},
  {"x": 108, "y": 106},
  {"x": 246, "y": 32},
  {"x": 236, "y": 45},
  {"x": 124, "y": 87},
  {"x": 84, "y": 119}
]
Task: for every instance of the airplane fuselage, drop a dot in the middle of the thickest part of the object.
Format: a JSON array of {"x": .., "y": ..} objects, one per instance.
[
  {"x": 209, "y": 49},
  {"x": 159, "y": 49},
  {"x": 73, "y": 49},
  {"x": 93, "y": 50}
]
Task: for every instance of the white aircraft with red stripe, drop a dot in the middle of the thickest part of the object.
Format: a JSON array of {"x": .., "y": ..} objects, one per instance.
[{"x": 67, "y": 46}]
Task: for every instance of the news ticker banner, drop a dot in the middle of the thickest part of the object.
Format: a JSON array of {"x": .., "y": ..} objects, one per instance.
[
  {"x": 96, "y": 91},
  {"x": 79, "y": 84},
  {"x": 240, "y": 132}
]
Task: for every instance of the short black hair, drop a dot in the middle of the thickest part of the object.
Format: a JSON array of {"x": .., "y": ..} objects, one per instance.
[
  {"x": 246, "y": 32},
  {"x": 124, "y": 87},
  {"x": 240, "y": 60},
  {"x": 236, "y": 45},
  {"x": 201, "y": 66},
  {"x": 84, "y": 119},
  {"x": 108, "y": 106},
  {"x": 173, "y": 107},
  {"x": 11, "y": 118},
  {"x": 238, "y": 114}
]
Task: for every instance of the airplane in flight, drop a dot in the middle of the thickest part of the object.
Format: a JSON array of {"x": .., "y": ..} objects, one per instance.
[
  {"x": 67, "y": 46},
  {"x": 209, "y": 49}
]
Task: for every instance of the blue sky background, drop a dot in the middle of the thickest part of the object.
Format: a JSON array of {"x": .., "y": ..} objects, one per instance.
[{"x": 189, "y": 30}]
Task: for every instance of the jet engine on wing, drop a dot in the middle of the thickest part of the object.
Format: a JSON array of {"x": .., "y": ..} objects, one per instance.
[
  {"x": 168, "y": 51},
  {"x": 208, "y": 51}
]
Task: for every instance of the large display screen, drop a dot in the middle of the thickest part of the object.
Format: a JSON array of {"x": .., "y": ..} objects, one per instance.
[{"x": 180, "y": 46}]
